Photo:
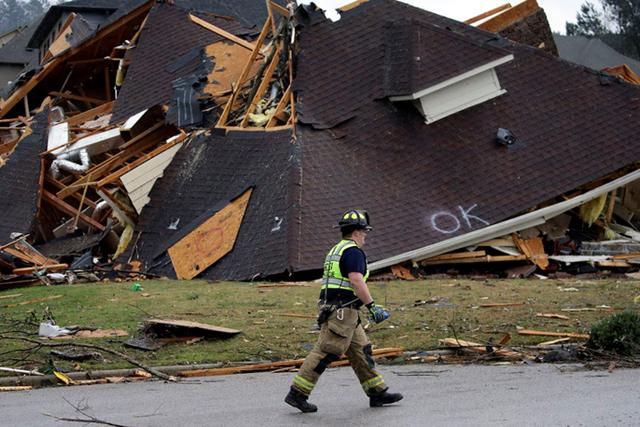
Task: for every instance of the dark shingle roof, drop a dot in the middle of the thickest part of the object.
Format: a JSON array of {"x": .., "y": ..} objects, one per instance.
[
  {"x": 421, "y": 183},
  {"x": 148, "y": 80},
  {"x": 592, "y": 53},
  {"x": 419, "y": 55},
  {"x": 19, "y": 180}
]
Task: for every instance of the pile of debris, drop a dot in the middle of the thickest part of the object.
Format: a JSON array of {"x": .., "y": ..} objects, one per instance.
[{"x": 185, "y": 143}]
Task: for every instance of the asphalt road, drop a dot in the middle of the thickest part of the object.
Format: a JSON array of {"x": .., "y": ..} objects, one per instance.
[{"x": 520, "y": 395}]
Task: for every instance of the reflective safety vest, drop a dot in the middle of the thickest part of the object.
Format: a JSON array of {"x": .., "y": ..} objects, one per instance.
[{"x": 332, "y": 278}]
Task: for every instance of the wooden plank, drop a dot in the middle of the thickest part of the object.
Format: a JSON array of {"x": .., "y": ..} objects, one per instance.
[
  {"x": 479, "y": 348},
  {"x": 16, "y": 388},
  {"x": 229, "y": 61},
  {"x": 457, "y": 255},
  {"x": 193, "y": 325},
  {"x": 227, "y": 35},
  {"x": 552, "y": 316},
  {"x": 552, "y": 334},
  {"x": 487, "y": 259},
  {"x": 510, "y": 16},
  {"x": 30, "y": 270},
  {"x": 138, "y": 162},
  {"x": 401, "y": 272},
  {"x": 280, "y": 9},
  {"x": 245, "y": 72},
  {"x": 85, "y": 116},
  {"x": 266, "y": 80},
  {"x": 70, "y": 210},
  {"x": 378, "y": 352},
  {"x": 33, "y": 301},
  {"x": 59, "y": 186},
  {"x": 282, "y": 104},
  {"x": 507, "y": 242},
  {"x": 614, "y": 264},
  {"x": 210, "y": 241},
  {"x": 488, "y": 13},
  {"x": 27, "y": 253},
  {"x": 553, "y": 342},
  {"x": 60, "y": 44},
  {"x": 78, "y": 98},
  {"x": 533, "y": 249}
]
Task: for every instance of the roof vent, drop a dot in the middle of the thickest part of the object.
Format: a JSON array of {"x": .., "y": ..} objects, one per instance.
[
  {"x": 505, "y": 137},
  {"x": 442, "y": 72}
]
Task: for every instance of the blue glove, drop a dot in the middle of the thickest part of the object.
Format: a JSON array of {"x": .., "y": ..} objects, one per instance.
[{"x": 377, "y": 312}]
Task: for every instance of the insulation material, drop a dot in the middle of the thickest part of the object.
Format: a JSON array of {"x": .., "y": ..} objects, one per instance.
[
  {"x": 139, "y": 181},
  {"x": 590, "y": 211},
  {"x": 75, "y": 162},
  {"x": 125, "y": 238}
]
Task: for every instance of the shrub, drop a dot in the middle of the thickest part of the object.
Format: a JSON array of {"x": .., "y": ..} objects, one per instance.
[{"x": 619, "y": 333}]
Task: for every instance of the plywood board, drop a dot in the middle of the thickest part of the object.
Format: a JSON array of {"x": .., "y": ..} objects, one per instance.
[
  {"x": 203, "y": 327},
  {"x": 533, "y": 249},
  {"x": 228, "y": 62},
  {"x": 210, "y": 241}
]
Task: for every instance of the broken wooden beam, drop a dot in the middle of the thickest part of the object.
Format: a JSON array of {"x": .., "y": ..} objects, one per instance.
[
  {"x": 552, "y": 334},
  {"x": 480, "y": 348},
  {"x": 488, "y": 14},
  {"x": 219, "y": 31}
]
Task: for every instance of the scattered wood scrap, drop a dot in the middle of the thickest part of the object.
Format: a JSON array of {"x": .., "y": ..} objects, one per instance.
[
  {"x": 553, "y": 334},
  {"x": 552, "y": 316},
  {"x": 33, "y": 301},
  {"x": 96, "y": 333},
  {"x": 377, "y": 353},
  {"x": 480, "y": 348},
  {"x": 16, "y": 388}
]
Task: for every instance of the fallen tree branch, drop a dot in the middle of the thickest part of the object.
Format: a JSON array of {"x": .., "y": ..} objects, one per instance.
[
  {"x": 89, "y": 418},
  {"x": 131, "y": 360}
]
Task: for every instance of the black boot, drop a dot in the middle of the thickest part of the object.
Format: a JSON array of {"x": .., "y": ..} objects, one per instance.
[
  {"x": 299, "y": 400},
  {"x": 384, "y": 398}
]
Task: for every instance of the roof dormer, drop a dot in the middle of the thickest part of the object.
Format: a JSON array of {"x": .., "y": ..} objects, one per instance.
[{"x": 442, "y": 72}]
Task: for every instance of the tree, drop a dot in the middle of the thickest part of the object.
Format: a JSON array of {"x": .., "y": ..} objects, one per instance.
[
  {"x": 617, "y": 20},
  {"x": 16, "y": 13}
]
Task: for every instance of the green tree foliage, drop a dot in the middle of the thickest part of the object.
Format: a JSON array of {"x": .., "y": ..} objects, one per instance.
[
  {"x": 16, "y": 13},
  {"x": 616, "y": 22}
]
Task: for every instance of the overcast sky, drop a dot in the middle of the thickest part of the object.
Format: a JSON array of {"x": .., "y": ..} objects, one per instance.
[{"x": 558, "y": 11}]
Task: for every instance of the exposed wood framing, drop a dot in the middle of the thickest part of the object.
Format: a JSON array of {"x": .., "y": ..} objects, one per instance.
[
  {"x": 245, "y": 73},
  {"x": 78, "y": 98},
  {"x": 488, "y": 13},
  {"x": 221, "y": 32},
  {"x": 284, "y": 101},
  {"x": 107, "y": 31},
  {"x": 266, "y": 79},
  {"x": 510, "y": 16},
  {"x": 280, "y": 9},
  {"x": 70, "y": 210}
]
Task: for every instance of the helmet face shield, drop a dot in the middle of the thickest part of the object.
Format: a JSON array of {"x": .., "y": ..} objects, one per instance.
[{"x": 356, "y": 219}]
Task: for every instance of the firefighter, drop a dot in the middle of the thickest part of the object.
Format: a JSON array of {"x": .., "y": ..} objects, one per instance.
[{"x": 344, "y": 291}]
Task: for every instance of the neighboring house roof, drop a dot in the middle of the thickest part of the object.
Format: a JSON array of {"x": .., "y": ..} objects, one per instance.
[
  {"x": 353, "y": 148},
  {"x": 19, "y": 180},
  {"x": 15, "y": 51},
  {"x": 149, "y": 78},
  {"x": 55, "y": 12},
  {"x": 592, "y": 53}
]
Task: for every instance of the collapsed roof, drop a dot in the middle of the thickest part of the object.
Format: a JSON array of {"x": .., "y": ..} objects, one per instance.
[{"x": 275, "y": 136}]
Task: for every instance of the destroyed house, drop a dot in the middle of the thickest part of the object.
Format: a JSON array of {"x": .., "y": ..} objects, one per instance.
[{"x": 228, "y": 151}]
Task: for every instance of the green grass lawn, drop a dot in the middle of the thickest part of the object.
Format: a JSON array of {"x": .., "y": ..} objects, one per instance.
[{"x": 269, "y": 335}]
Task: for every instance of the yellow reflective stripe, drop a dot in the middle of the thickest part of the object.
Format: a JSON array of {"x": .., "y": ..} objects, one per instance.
[
  {"x": 303, "y": 384},
  {"x": 372, "y": 383}
]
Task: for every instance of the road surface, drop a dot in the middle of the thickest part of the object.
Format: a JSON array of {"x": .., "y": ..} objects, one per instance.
[{"x": 435, "y": 395}]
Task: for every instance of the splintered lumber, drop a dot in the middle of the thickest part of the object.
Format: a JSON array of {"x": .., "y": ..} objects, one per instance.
[
  {"x": 70, "y": 210},
  {"x": 210, "y": 241},
  {"x": 285, "y": 285},
  {"x": 98, "y": 333},
  {"x": 48, "y": 267},
  {"x": 266, "y": 80},
  {"x": 377, "y": 353},
  {"x": 533, "y": 249},
  {"x": 501, "y": 304},
  {"x": 191, "y": 327},
  {"x": 33, "y": 301},
  {"x": 507, "y": 241},
  {"x": 479, "y": 348},
  {"x": 402, "y": 272},
  {"x": 552, "y": 316},
  {"x": 28, "y": 253},
  {"x": 552, "y": 334},
  {"x": 510, "y": 16},
  {"x": 85, "y": 116},
  {"x": 456, "y": 256},
  {"x": 16, "y": 388},
  {"x": 484, "y": 259},
  {"x": 219, "y": 31},
  {"x": 553, "y": 342},
  {"x": 347, "y": 7},
  {"x": 78, "y": 98},
  {"x": 488, "y": 13}
]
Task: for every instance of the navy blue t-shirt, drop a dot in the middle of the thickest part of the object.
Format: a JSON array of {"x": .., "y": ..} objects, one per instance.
[{"x": 353, "y": 260}]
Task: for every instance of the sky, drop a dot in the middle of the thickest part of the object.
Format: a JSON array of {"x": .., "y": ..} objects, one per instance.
[{"x": 558, "y": 11}]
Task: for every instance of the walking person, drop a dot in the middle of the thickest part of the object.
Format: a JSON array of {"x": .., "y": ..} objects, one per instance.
[{"x": 344, "y": 292}]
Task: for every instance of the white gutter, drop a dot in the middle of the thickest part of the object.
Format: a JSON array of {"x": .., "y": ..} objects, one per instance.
[{"x": 512, "y": 225}]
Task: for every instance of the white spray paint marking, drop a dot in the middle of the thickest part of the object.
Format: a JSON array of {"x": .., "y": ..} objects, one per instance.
[{"x": 446, "y": 222}]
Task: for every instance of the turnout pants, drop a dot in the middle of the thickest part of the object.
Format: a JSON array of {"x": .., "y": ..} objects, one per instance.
[{"x": 341, "y": 334}]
